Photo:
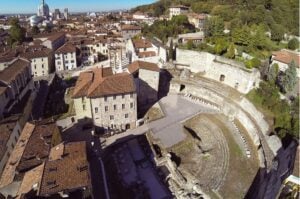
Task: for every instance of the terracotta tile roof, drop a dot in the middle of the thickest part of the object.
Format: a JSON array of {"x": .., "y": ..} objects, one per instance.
[
  {"x": 9, "y": 171},
  {"x": 57, "y": 152},
  {"x": 142, "y": 43},
  {"x": 180, "y": 6},
  {"x": 38, "y": 147},
  {"x": 67, "y": 48},
  {"x": 146, "y": 54},
  {"x": 70, "y": 172},
  {"x": 82, "y": 84},
  {"x": 116, "y": 84},
  {"x": 36, "y": 52},
  {"x": 6, "y": 127},
  {"x": 14, "y": 69},
  {"x": 6, "y": 58},
  {"x": 134, "y": 66},
  {"x": 32, "y": 180},
  {"x": 286, "y": 56},
  {"x": 101, "y": 82},
  {"x": 130, "y": 27}
]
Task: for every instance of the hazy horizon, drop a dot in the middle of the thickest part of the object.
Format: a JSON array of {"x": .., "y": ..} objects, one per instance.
[{"x": 31, "y": 6}]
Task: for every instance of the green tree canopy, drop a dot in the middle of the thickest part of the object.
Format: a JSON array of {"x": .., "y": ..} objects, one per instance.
[
  {"x": 290, "y": 78},
  {"x": 293, "y": 44},
  {"x": 16, "y": 32},
  {"x": 214, "y": 26}
]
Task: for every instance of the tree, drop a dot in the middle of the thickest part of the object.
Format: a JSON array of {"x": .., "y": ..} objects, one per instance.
[
  {"x": 231, "y": 51},
  {"x": 277, "y": 32},
  {"x": 190, "y": 45},
  {"x": 241, "y": 36},
  {"x": 293, "y": 44},
  {"x": 220, "y": 46},
  {"x": 35, "y": 30},
  {"x": 290, "y": 78},
  {"x": 214, "y": 26},
  {"x": 16, "y": 32},
  {"x": 273, "y": 73},
  {"x": 171, "y": 50},
  {"x": 48, "y": 29}
]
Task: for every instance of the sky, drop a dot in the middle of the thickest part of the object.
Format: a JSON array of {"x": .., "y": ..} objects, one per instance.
[{"x": 30, "y": 6}]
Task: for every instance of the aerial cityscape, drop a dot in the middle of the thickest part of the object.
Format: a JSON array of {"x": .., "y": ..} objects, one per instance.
[{"x": 144, "y": 99}]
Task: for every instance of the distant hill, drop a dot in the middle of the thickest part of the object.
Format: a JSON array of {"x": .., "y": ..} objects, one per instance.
[{"x": 281, "y": 13}]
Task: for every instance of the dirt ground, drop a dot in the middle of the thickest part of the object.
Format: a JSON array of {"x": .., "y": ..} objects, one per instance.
[{"x": 211, "y": 154}]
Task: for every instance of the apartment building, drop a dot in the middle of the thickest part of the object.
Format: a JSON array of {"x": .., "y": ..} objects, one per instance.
[
  {"x": 10, "y": 131},
  {"x": 109, "y": 99},
  {"x": 129, "y": 31},
  {"x": 15, "y": 83},
  {"x": 65, "y": 58},
  {"x": 178, "y": 10},
  {"x": 42, "y": 62},
  {"x": 198, "y": 20},
  {"x": 146, "y": 50}
]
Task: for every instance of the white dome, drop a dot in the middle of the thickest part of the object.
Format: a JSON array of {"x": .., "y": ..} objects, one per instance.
[{"x": 43, "y": 10}]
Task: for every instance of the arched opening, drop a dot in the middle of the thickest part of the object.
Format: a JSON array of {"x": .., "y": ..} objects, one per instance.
[
  {"x": 222, "y": 78},
  {"x": 182, "y": 87},
  {"x": 127, "y": 126}
]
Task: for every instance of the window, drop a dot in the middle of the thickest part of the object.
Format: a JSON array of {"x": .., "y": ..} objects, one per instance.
[
  {"x": 42, "y": 59},
  {"x": 114, "y": 97},
  {"x": 111, "y": 117},
  {"x": 126, "y": 115},
  {"x": 131, "y": 105},
  {"x": 131, "y": 95},
  {"x": 123, "y": 106},
  {"x": 123, "y": 96},
  {"x": 96, "y": 110},
  {"x": 106, "y": 108},
  {"x": 12, "y": 145},
  {"x": 105, "y": 99},
  {"x": 83, "y": 107},
  {"x": 42, "y": 65},
  {"x": 34, "y": 66},
  {"x": 72, "y": 61},
  {"x": 115, "y": 107}
]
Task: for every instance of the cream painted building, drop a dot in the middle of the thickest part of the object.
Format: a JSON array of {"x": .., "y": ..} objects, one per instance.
[
  {"x": 42, "y": 62},
  {"x": 65, "y": 58},
  {"x": 109, "y": 99},
  {"x": 15, "y": 83},
  {"x": 145, "y": 50},
  {"x": 284, "y": 57},
  {"x": 177, "y": 10}
]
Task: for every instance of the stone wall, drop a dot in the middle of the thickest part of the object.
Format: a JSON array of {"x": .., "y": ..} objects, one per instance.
[
  {"x": 243, "y": 111},
  {"x": 227, "y": 71}
]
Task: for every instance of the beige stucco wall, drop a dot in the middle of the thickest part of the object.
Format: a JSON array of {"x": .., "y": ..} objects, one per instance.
[
  {"x": 63, "y": 61},
  {"x": 79, "y": 104},
  {"x": 41, "y": 66}
]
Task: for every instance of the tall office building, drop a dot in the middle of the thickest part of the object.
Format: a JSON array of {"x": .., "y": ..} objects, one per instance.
[{"x": 66, "y": 13}]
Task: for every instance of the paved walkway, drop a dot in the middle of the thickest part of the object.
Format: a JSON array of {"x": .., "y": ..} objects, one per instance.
[{"x": 176, "y": 109}]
